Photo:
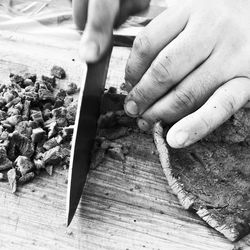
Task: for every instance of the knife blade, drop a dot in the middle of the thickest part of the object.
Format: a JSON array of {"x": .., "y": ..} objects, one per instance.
[
  {"x": 88, "y": 111},
  {"x": 87, "y": 114}
]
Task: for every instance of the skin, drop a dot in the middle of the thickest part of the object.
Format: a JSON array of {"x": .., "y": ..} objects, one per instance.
[
  {"x": 97, "y": 18},
  {"x": 189, "y": 67}
]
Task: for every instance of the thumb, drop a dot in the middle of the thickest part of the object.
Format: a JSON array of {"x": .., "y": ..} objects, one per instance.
[
  {"x": 99, "y": 27},
  {"x": 80, "y": 8}
]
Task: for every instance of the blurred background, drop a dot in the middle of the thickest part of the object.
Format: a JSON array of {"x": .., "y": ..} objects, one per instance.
[{"x": 50, "y": 21}]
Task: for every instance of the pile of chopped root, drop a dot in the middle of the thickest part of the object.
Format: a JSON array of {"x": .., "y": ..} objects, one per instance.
[
  {"x": 36, "y": 125},
  {"x": 112, "y": 125}
]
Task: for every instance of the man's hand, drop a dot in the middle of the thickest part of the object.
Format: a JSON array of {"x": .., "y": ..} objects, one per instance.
[
  {"x": 97, "y": 18},
  {"x": 191, "y": 66}
]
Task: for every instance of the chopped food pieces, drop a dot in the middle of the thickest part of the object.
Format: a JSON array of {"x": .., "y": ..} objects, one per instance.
[
  {"x": 23, "y": 165},
  {"x": 48, "y": 81},
  {"x": 12, "y": 179},
  {"x": 30, "y": 76},
  {"x": 107, "y": 120},
  {"x": 37, "y": 116},
  {"x": 51, "y": 125},
  {"x": 117, "y": 119},
  {"x": 116, "y": 153},
  {"x": 20, "y": 144},
  {"x": 72, "y": 88},
  {"x": 39, "y": 164},
  {"x": 51, "y": 143},
  {"x": 71, "y": 113},
  {"x": 53, "y": 156},
  {"x": 97, "y": 158},
  {"x": 114, "y": 133},
  {"x": 68, "y": 100},
  {"x": 49, "y": 169},
  {"x": 58, "y": 72},
  {"x": 5, "y": 163},
  {"x": 28, "y": 82},
  {"x": 36, "y": 126},
  {"x": 59, "y": 115},
  {"x": 24, "y": 128},
  {"x": 38, "y": 134},
  {"x": 67, "y": 132},
  {"x": 26, "y": 178},
  {"x": 3, "y": 115},
  {"x": 16, "y": 79},
  {"x": 45, "y": 95},
  {"x": 26, "y": 110},
  {"x": 111, "y": 131},
  {"x": 13, "y": 102}
]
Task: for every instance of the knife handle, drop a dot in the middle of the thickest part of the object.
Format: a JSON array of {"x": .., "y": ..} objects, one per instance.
[{"x": 123, "y": 41}]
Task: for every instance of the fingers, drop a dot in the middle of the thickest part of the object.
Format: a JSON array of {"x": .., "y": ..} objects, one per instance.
[
  {"x": 191, "y": 93},
  {"x": 80, "y": 8},
  {"x": 155, "y": 36},
  {"x": 98, "y": 31},
  {"x": 229, "y": 98},
  {"x": 172, "y": 64},
  {"x": 100, "y": 18}
]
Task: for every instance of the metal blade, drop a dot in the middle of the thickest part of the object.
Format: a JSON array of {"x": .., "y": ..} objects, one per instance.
[{"x": 85, "y": 130}]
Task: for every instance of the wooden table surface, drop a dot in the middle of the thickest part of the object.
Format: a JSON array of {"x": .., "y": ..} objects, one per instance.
[{"x": 124, "y": 205}]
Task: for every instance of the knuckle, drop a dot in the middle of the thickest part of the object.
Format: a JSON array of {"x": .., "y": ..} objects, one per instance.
[
  {"x": 160, "y": 70},
  {"x": 206, "y": 124},
  {"x": 131, "y": 74},
  {"x": 228, "y": 103},
  {"x": 142, "y": 45},
  {"x": 141, "y": 95},
  {"x": 184, "y": 98},
  {"x": 128, "y": 73}
]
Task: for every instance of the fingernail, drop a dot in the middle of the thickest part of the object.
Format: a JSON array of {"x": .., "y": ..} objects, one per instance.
[
  {"x": 181, "y": 138},
  {"x": 89, "y": 51},
  {"x": 131, "y": 108},
  {"x": 143, "y": 125}
]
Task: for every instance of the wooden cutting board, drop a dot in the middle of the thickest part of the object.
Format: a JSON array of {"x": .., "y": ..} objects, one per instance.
[{"x": 124, "y": 206}]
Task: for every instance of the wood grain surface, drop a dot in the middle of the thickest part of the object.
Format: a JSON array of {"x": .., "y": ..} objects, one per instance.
[{"x": 124, "y": 205}]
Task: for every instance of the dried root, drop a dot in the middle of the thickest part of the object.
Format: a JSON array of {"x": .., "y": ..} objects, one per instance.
[
  {"x": 187, "y": 199},
  {"x": 112, "y": 125}
]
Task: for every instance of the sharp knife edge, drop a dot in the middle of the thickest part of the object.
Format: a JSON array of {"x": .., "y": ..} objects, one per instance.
[
  {"x": 122, "y": 40},
  {"x": 72, "y": 152},
  {"x": 84, "y": 133}
]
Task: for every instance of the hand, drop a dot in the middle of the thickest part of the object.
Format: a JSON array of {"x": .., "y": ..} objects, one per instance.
[
  {"x": 191, "y": 66},
  {"x": 98, "y": 17}
]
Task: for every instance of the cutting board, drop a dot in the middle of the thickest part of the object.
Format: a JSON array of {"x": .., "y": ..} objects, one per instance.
[{"x": 124, "y": 206}]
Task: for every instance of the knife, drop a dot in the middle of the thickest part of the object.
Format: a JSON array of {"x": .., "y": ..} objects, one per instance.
[
  {"x": 88, "y": 111},
  {"x": 87, "y": 115}
]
